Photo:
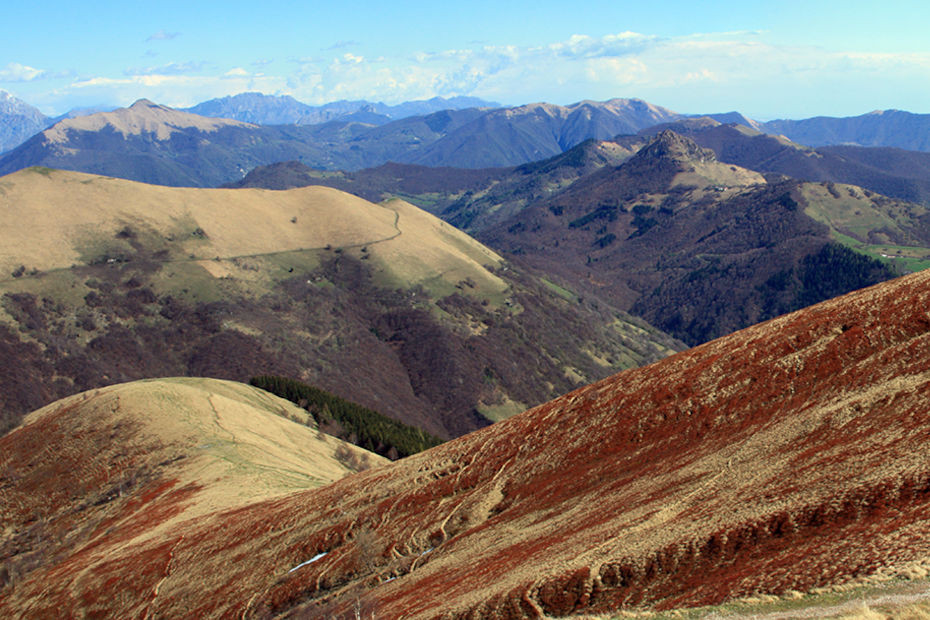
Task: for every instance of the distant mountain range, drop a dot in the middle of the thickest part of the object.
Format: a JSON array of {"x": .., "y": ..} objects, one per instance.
[
  {"x": 155, "y": 144},
  {"x": 351, "y": 135},
  {"x": 895, "y": 128},
  {"x": 264, "y": 109}
]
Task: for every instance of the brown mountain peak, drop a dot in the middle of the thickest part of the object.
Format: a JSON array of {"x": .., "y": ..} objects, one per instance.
[
  {"x": 145, "y": 103},
  {"x": 674, "y": 146}
]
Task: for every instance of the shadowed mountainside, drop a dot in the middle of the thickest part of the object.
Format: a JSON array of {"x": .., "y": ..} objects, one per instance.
[
  {"x": 698, "y": 247},
  {"x": 18, "y": 121},
  {"x": 890, "y": 171},
  {"x": 787, "y": 456}
]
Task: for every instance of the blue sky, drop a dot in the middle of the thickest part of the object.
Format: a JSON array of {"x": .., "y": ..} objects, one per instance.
[{"x": 776, "y": 59}]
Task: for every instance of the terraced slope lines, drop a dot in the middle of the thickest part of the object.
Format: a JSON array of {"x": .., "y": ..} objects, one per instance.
[
  {"x": 786, "y": 456},
  {"x": 102, "y": 470}
]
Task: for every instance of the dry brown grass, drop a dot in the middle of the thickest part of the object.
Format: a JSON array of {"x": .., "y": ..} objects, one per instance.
[
  {"x": 239, "y": 444},
  {"x": 55, "y": 219},
  {"x": 143, "y": 117}
]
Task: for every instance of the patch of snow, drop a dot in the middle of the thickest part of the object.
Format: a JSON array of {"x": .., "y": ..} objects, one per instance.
[{"x": 318, "y": 556}]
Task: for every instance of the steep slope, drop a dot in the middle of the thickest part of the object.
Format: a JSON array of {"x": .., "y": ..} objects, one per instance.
[
  {"x": 108, "y": 281},
  {"x": 18, "y": 121},
  {"x": 788, "y": 456}
]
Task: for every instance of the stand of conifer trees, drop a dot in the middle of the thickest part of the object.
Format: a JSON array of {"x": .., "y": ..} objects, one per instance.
[{"x": 351, "y": 422}]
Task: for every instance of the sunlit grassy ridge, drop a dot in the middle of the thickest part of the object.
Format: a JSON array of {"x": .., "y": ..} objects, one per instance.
[{"x": 57, "y": 219}]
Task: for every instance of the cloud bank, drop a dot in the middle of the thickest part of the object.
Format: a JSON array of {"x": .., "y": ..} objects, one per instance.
[
  {"x": 15, "y": 72},
  {"x": 697, "y": 73}
]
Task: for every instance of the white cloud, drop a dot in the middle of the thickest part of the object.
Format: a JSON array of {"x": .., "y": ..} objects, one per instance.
[
  {"x": 15, "y": 72},
  {"x": 172, "y": 68},
  {"x": 697, "y": 73},
  {"x": 178, "y": 91},
  {"x": 613, "y": 45},
  {"x": 163, "y": 35}
]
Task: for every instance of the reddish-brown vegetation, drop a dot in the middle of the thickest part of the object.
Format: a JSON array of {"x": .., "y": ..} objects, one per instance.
[{"x": 787, "y": 456}]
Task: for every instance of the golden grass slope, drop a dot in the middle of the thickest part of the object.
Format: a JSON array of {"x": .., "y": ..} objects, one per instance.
[
  {"x": 142, "y": 117},
  {"x": 235, "y": 442},
  {"x": 54, "y": 219},
  {"x": 129, "y": 463}
]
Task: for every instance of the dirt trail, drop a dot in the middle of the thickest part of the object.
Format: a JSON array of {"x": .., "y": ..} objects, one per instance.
[{"x": 198, "y": 259}]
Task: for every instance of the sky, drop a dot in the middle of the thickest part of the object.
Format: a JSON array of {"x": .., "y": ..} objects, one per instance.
[{"x": 771, "y": 59}]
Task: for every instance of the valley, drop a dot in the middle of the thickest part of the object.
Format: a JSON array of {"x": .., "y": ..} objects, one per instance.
[{"x": 383, "y": 304}]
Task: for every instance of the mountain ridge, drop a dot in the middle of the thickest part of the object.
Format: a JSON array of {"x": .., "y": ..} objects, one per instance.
[
  {"x": 255, "y": 107},
  {"x": 18, "y": 121}
]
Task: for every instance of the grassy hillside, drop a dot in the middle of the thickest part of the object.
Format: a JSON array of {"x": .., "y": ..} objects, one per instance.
[
  {"x": 108, "y": 281},
  {"x": 890, "y": 230},
  {"x": 57, "y": 219},
  {"x": 149, "y": 455}
]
